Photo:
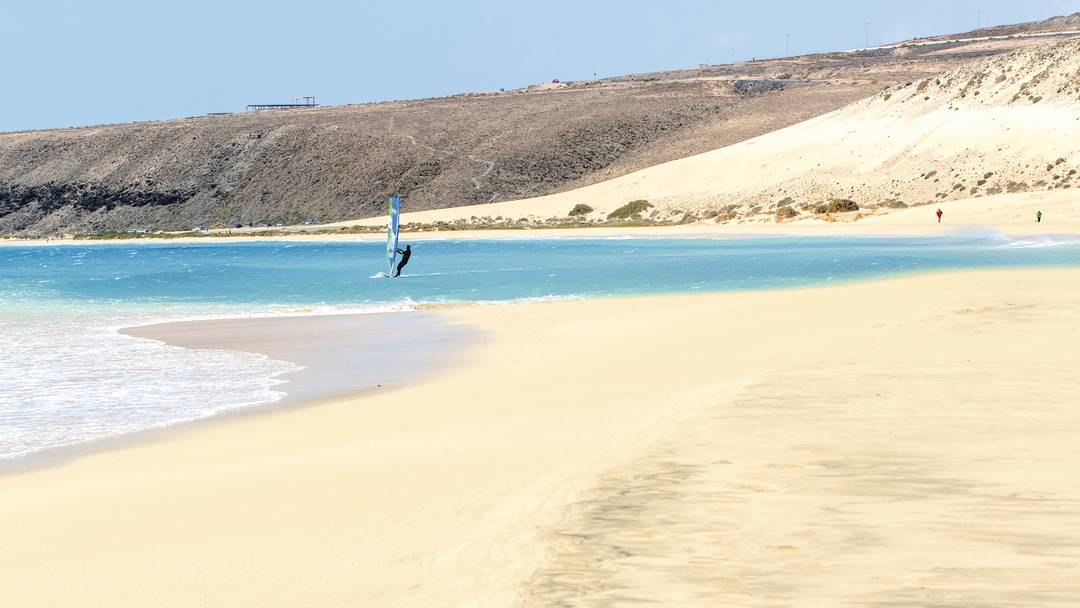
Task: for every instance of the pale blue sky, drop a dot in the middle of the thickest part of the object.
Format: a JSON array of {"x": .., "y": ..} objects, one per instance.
[{"x": 76, "y": 63}]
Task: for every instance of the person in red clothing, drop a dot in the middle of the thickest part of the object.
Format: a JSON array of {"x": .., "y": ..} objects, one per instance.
[{"x": 939, "y": 216}]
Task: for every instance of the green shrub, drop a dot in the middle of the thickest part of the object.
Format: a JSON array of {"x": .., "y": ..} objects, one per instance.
[
  {"x": 785, "y": 212},
  {"x": 837, "y": 205},
  {"x": 892, "y": 203},
  {"x": 581, "y": 209},
  {"x": 631, "y": 209},
  {"x": 689, "y": 217}
]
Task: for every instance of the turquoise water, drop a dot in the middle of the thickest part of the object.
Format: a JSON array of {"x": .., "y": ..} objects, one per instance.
[
  {"x": 348, "y": 274},
  {"x": 68, "y": 376}
]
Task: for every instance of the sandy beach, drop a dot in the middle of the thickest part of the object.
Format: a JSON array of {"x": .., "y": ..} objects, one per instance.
[{"x": 830, "y": 446}]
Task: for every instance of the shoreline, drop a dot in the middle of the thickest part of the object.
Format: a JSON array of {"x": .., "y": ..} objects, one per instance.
[
  {"x": 287, "y": 336},
  {"x": 332, "y": 348},
  {"x": 470, "y": 487},
  {"x": 327, "y": 348},
  {"x": 339, "y": 354}
]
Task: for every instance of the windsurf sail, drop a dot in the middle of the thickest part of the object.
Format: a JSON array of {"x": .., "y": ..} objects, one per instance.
[{"x": 392, "y": 233}]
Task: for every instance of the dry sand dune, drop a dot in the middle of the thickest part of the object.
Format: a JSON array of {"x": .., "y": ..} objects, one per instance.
[{"x": 1000, "y": 125}]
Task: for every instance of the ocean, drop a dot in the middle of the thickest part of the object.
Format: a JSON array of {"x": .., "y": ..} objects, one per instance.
[{"x": 67, "y": 376}]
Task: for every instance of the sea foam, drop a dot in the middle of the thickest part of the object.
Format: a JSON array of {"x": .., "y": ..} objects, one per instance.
[{"x": 73, "y": 378}]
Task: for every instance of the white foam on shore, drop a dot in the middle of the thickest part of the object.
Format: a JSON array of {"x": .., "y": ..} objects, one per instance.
[
  {"x": 70, "y": 376},
  {"x": 524, "y": 300},
  {"x": 995, "y": 239},
  {"x": 74, "y": 381},
  {"x": 1039, "y": 241}
]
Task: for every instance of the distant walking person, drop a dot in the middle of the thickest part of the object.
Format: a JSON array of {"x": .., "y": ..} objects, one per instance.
[
  {"x": 1038, "y": 217},
  {"x": 939, "y": 214},
  {"x": 405, "y": 255}
]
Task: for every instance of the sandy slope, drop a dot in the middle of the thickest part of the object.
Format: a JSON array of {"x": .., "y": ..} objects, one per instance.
[
  {"x": 1003, "y": 124},
  {"x": 835, "y": 446}
]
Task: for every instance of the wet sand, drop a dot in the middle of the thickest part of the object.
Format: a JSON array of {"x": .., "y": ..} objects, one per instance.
[{"x": 340, "y": 354}]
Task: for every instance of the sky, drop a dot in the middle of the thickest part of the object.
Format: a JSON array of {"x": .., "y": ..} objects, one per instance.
[{"x": 68, "y": 63}]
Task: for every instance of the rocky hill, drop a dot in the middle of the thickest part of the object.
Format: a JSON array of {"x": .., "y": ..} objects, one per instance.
[{"x": 337, "y": 163}]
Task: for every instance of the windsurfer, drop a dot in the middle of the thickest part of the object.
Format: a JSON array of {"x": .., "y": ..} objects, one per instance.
[{"x": 405, "y": 255}]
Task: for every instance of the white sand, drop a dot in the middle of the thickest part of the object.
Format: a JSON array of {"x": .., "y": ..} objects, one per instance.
[{"x": 906, "y": 442}]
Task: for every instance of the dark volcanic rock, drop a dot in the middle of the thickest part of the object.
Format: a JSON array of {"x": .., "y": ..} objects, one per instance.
[{"x": 83, "y": 197}]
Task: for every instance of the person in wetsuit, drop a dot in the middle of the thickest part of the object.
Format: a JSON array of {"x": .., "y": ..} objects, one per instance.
[{"x": 405, "y": 255}]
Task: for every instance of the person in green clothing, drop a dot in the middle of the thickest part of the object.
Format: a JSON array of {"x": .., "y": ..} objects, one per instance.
[{"x": 1038, "y": 217}]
